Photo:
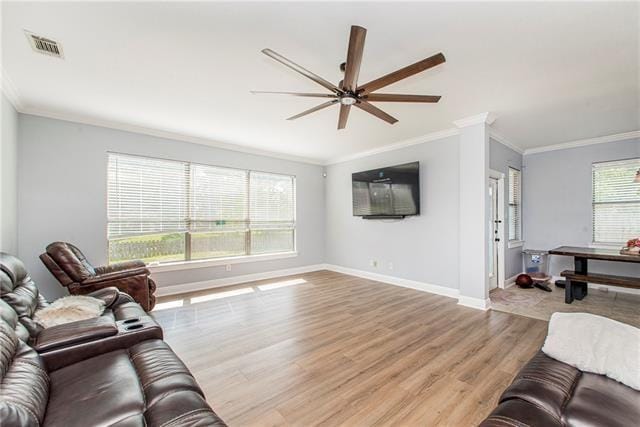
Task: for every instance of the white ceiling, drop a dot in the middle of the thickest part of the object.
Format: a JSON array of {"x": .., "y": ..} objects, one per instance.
[{"x": 551, "y": 72}]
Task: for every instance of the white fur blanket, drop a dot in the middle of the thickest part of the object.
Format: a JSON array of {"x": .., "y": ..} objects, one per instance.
[
  {"x": 69, "y": 309},
  {"x": 595, "y": 344}
]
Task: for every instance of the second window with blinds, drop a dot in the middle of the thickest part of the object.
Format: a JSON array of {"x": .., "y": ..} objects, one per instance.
[{"x": 168, "y": 211}]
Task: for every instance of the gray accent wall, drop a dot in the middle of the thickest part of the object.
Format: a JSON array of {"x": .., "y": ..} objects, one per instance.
[
  {"x": 62, "y": 182},
  {"x": 422, "y": 248},
  {"x": 557, "y": 200},
  {"x": 501, "y": 158},
  {"x": 8, "y": 178}
]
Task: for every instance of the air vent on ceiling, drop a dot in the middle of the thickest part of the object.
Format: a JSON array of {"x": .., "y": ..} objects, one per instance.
[{"x": 44, "y": 45}]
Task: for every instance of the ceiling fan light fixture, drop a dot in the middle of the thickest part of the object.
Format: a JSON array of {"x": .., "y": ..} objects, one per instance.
[{"x": 348, "y": 100}]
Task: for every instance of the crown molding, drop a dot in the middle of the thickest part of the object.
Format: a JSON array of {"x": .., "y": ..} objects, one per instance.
[
  {"x": 504, "y": 141},
  {"x": 584, "y": 142},
  {"x": 10, "y": 91},
  {"x": 160, "y": 133},
  {"x": 433, "y": 136},
  {"x": 486, "y": 117}
]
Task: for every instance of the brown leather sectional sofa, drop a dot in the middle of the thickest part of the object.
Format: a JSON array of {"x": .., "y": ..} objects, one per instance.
[
  {"x": 548, "y": 393},
  {"x": 113, "y": 370}
]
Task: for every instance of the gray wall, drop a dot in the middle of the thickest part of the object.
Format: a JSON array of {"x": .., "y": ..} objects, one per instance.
[
  {"x": 8, "y": 178},
  {"x": 500, "y": 159},
  {"x": 62, "y": 194},
  {"x": 557, "y": 199},
  {"x": 422, "y": 248}
]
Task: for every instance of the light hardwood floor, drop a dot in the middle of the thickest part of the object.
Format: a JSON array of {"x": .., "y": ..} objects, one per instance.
[{"x": 327, "y": 349}]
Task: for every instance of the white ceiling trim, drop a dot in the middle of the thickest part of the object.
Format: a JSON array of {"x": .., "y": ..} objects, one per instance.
[
  {"x": 396, "y": 145},
  {"x": 504, "y": 141},
  {"x": 9, "y": 90},
  {"x": 584, "y": 142},
  {"x": 159, "y": 133},
  {"x": 486, "y": 117}
]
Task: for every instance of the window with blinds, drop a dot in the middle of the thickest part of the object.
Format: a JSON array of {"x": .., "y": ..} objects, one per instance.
[
  {"x": 166, "y": 211},
  {"x": 616, "y": 201},
  {"x": 515, "y": 211}
]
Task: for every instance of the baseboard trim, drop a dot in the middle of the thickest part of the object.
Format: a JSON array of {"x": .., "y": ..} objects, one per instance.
[
  {"x": 397, "y": 281},
  {"x": 511, "y": 281},
  {"x": 164, "y": 291},
  {"x": 477, "y": 303}
]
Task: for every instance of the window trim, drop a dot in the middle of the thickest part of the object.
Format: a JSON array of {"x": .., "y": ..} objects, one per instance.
[
  {"x": 211, "y": 262},
  {"x": 518, "y": 241},
  {"x": 594, "y": 243}
]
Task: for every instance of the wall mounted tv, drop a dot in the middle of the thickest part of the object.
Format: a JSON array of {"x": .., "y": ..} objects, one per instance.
[{"x": 390, "y": 192}]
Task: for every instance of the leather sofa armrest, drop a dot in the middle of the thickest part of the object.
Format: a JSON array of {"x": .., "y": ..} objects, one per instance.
[
  {"x": 120, "y": 266},
  {"x": 115, "y": 275},
  {"x": 109, "y": 295},
  {"x": 73, "y": 333}
]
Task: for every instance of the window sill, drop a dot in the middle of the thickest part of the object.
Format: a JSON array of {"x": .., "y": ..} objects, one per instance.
[
  {"x": 515, "y": 244},
  {"x": 188, "y": 265}
]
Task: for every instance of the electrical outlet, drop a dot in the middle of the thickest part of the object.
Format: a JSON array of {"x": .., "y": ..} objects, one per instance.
[
  {"x": 227, "y": 267},
  {"x": 390, "y": 266}
]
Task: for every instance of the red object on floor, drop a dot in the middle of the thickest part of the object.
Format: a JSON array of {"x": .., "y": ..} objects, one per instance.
[{"x": 524, "y": 281}]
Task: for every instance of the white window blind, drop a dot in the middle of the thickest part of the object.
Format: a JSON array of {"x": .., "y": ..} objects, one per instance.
[
  {"x": 272, "y": 212},
  {"x": 616, "y": 201},
  {"x": 163, "y": 210},
  {"x": 515, "y": 211}
]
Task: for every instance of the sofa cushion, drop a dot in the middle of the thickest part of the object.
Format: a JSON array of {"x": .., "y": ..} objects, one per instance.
[
  {"x": 545, "y": 383},
  {"x": 102, "y": 390},
  {"x": 10, "y": 317},
  {"x": 599, "y": 400},
  {"x": 20, "y": 292},
  {"x": 160, "y": 371},
  {"x": 24, "y": 384},
  {"x": 182, "y": 408}
]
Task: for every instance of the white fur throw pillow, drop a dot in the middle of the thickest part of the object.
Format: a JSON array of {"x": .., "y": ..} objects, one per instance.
[
  {"x": 595, "y": 344},
  {"x": 69, "y": 309}
]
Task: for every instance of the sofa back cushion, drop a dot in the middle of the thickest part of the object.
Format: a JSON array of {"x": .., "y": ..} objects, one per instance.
[
  {"x": 71, "y": 261},
  {"x": 20, "y": 292},
  {"x": 24, "y": 382}
]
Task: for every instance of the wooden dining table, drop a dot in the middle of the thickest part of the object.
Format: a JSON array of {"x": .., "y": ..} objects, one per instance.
[{"x": 577, "y": 280}]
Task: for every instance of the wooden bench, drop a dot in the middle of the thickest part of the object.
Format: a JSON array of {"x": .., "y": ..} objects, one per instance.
[{"x": 579, "y": 289}]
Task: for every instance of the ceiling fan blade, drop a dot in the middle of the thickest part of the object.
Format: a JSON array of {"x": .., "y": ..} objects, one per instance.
[
  {"x": 364, "y": 105},
  {"x": 344, "y": 115},
  {"x": 314, "y": 109},
  {"x": 310, "y": 95},
  {"x": 354, "y": 58},
  {"x": 402, "y": 73},
  {"x": 281, "y": 59},
  {"x": 389, "y": 97}
]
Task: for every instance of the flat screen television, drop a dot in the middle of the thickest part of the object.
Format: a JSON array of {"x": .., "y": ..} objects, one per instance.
[{"x": 390, "y": 192}]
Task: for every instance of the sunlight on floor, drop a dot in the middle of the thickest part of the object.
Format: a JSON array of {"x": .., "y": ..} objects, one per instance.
[
  {"x": 168, "y": 304},
  {"x": 220, "y": 295},
  {"x": 282, "y": 284}
]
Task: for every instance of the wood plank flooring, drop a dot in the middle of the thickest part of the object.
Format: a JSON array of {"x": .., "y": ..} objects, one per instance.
[{"x": 329, "y": 349}]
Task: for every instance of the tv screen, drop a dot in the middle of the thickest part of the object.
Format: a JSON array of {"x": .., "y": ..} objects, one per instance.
[{"x": 387, "y": 192}]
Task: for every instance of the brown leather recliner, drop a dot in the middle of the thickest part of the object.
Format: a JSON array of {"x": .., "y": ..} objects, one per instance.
[{"x": 67, "y": 263}]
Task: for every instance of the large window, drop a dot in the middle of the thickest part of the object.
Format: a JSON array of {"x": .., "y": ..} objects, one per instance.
[
  {"x": 515, "y": 211},
  {"x": 616, "y": 201},
  {"x": 167, "y": 211}
]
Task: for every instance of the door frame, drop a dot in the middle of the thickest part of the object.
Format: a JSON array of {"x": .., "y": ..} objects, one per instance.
[{"x": 499, "y": 176}]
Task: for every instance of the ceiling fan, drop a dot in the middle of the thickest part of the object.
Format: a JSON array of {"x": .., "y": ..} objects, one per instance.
[{"x": 348, "y": 92}]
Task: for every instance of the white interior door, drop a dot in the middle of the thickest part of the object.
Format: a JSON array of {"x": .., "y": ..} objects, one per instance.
[{"x": 494, "y": 236}]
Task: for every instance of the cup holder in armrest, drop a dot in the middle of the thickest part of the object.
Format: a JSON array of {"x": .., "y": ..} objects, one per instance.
[
  {"x": 134, "y": 327},
  {"x": 134, "y": 320}
]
